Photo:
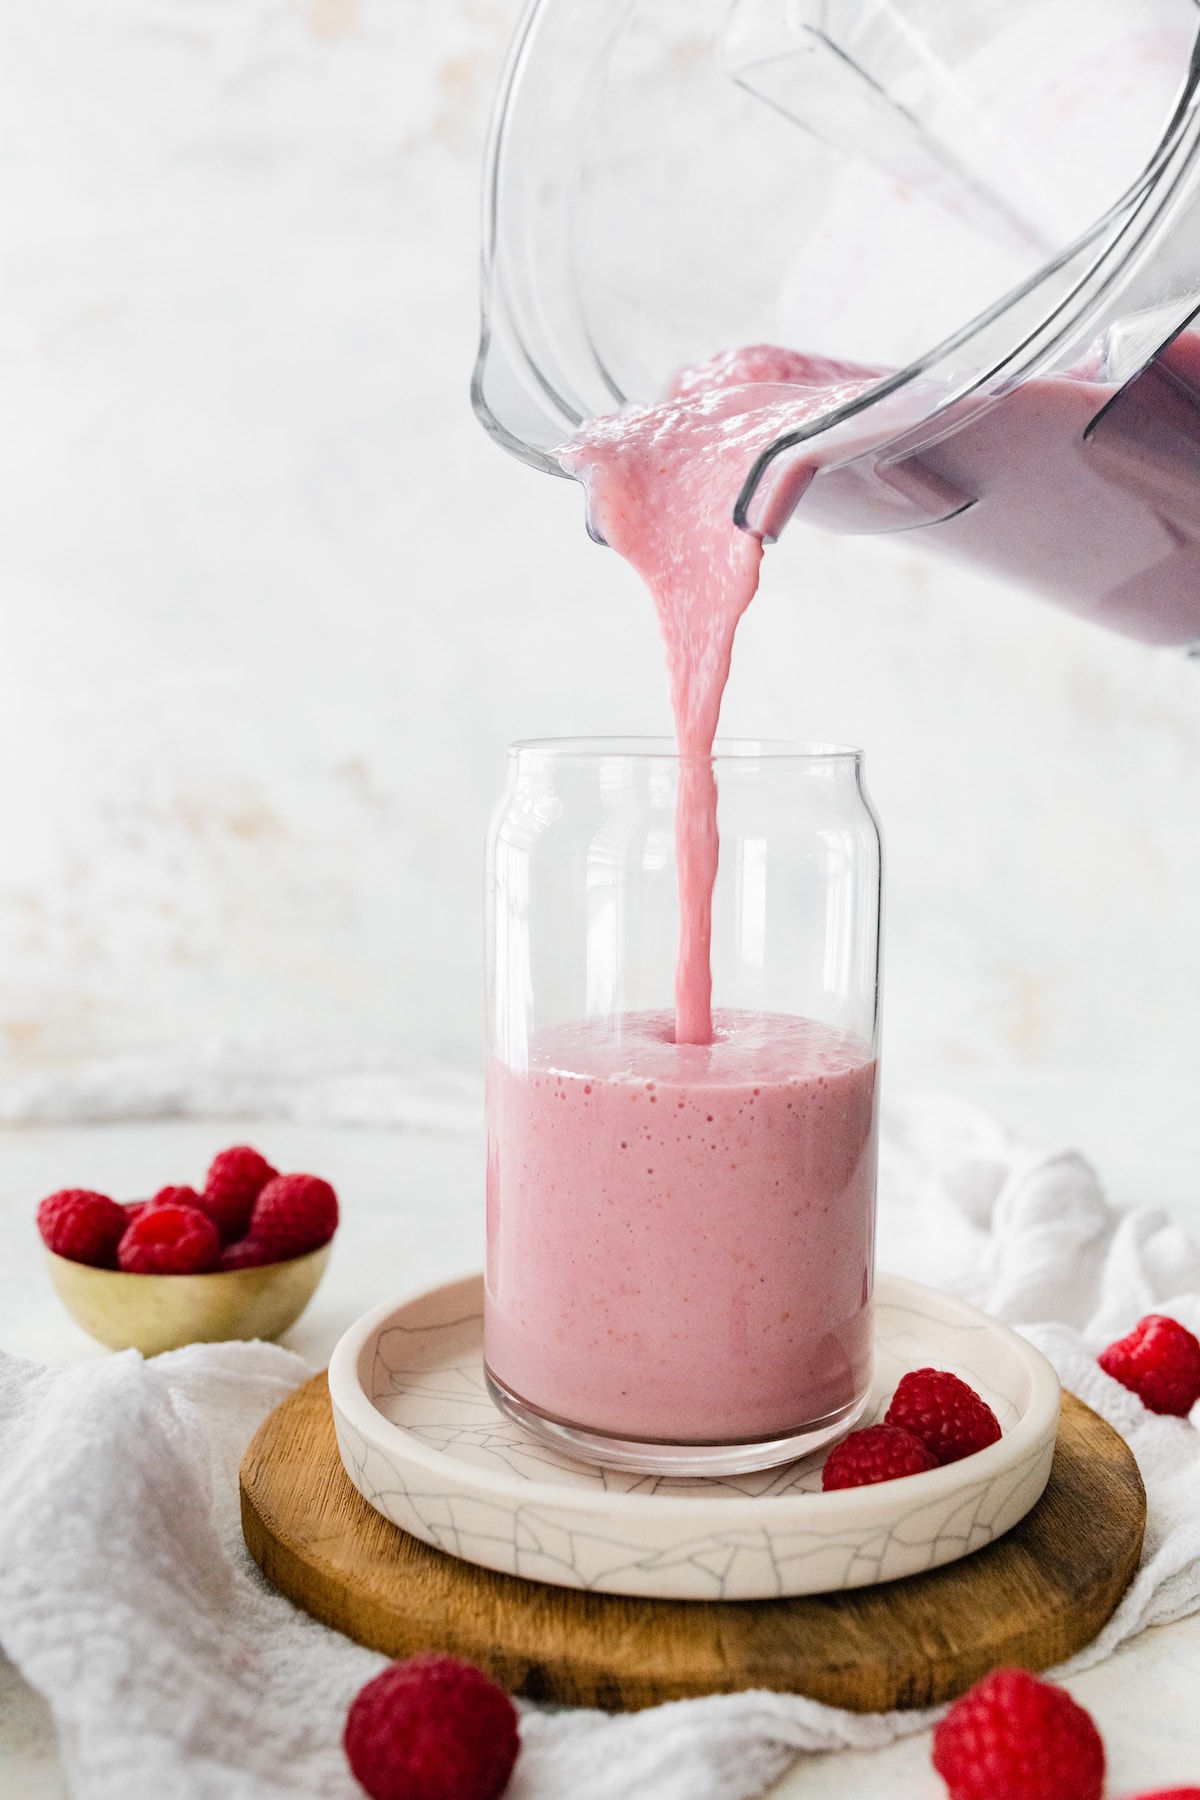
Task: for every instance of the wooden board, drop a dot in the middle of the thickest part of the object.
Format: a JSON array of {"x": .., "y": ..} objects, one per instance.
[{"x": 1033, "y": 1598}]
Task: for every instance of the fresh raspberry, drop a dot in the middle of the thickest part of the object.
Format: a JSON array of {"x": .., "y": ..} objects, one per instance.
[
  {"x": 235, "y": 1179},
  {"x": 247, "y": 1253},
  {"x": 948, "y": 1416},
  {"x": 432, "y": 1728},
  {"x": 168, "y": 1239},
  {"x": 1016, "y": 1738},
  {"x": 294, "y": 1214},
  {"x": 82, "y": 1226},
  {"x": 879, "y": 1453},
  {"x": 176, "y": 1196},
  {"x": 1160, "y": 1362}
]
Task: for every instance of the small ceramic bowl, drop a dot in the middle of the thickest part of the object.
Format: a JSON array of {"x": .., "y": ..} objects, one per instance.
[{"x": 162, "y": 1312}]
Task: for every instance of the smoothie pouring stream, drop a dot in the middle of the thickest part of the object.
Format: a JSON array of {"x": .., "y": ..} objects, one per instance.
[{"x": 661, "y": 482}]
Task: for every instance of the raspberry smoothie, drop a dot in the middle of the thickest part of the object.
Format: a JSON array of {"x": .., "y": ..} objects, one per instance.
[
  {"x": 661, "y": 483},
  {"x": 680, "y": 1236},
  {"x": 681, "y": 1206}
]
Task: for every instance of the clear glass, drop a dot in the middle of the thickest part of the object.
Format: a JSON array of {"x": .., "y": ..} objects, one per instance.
[
  {"x": 973, "y": 197},
  {"x": 680, "y": 1236}
]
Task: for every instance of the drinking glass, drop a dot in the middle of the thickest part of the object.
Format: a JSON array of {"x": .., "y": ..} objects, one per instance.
[{"x": 680, "y": 1234}]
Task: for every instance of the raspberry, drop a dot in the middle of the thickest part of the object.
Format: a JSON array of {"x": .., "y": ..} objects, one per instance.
[
  {"x": 294, "y": 1214},
  {"x": 948, "y": 1416},
  {"x": 235, "y": 1179},
  {"x": 176, "y": 1196},
  {"x": 1160, "y": 1362},
  {"x": 82, "y": 1226},
  {"x": 879, "y": 1453},
  {"x": 168, "y": 1239},
  {"x": 1016, "y": 1738},
  {"x": 432, "y": 1728},
  {"x": 247, "y": 1253}
]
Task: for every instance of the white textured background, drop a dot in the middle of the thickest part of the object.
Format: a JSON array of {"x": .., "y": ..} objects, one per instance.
[{"x": 273, "y": 605}]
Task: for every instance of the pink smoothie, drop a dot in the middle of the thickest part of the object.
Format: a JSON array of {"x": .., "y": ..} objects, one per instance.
[
  {"x": 1083, "y": 491},
  {"x": 680, "y": 1236},
  {"x": 680, "y": 1208},
  {"x": 661, "y": 484}
]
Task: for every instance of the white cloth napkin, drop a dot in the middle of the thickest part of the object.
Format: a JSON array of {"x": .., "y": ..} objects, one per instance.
[{"x": 174, "y": 1673}]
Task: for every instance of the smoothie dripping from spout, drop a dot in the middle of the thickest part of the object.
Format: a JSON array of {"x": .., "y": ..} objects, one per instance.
[{"x": 661, "y": 483}]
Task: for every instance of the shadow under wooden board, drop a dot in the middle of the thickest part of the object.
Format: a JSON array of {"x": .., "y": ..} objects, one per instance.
[{"x": 1033, "y": 1598}]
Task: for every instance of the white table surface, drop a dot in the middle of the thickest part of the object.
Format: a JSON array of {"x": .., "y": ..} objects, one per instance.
[{"x": 412, "y": 1215}]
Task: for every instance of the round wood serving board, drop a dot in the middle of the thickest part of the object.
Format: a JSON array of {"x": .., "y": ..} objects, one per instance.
[{"x": 1033, "y": 1598}]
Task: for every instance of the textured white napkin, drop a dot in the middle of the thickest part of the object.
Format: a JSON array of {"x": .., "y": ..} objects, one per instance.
[{"x": 174, "y": 1673}]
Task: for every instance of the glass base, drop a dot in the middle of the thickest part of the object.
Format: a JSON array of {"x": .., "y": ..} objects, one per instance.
[{"x": 652, "y": 1456}]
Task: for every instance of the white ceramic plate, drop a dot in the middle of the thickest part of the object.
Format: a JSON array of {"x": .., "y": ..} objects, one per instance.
[{"x": 424, "y": 1445}]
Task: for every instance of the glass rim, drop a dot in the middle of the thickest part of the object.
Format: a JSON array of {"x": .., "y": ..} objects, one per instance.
[{"x": 658, "y": 749}]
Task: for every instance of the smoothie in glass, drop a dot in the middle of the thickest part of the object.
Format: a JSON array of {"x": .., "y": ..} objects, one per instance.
[{"x": 680, "y": 1236}]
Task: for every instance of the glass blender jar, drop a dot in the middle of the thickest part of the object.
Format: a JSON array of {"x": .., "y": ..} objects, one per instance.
[{"x": 992, "y": 206}]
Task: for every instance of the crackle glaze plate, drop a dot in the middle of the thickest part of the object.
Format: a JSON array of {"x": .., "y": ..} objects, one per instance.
[{"x": 424, "y": 1445}]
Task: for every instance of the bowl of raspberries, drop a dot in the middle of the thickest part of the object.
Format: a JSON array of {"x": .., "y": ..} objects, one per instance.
[{"x": 239, "y": 1258}]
